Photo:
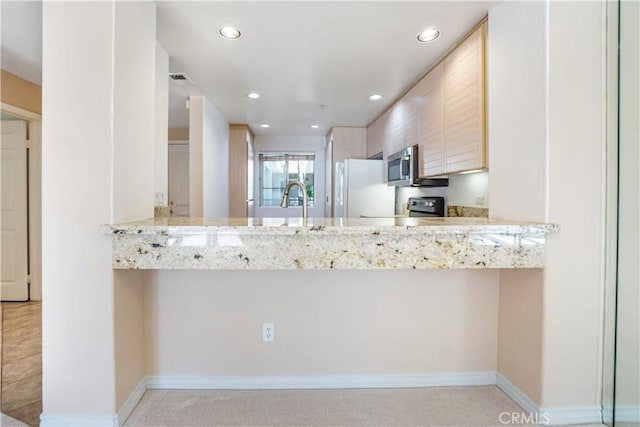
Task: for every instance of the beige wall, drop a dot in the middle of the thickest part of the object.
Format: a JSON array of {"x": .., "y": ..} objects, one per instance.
[
  {"x": 128, "y": 295},
  {"x": 516, "y": 129},
  {"x": 520, "y": 330},
  {"x": 20, "y": 93},
  {"x": 546, "y": 112},
  {"x": 326, "y": 322}
]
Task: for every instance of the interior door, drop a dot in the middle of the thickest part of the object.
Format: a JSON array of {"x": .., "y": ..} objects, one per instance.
[
  {"x": 13, "y": 207},
  {"x": 179, "y": 179}
]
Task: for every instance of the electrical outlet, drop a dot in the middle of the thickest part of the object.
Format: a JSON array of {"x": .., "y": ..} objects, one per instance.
[
  {"x": 480, "y": 201},
  {"x": 268, "y": 331},
  {"x": 160, "y": 198}
]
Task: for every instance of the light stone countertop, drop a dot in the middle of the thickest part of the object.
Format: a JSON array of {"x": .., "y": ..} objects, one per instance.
[{"x": 328, "y": 243}]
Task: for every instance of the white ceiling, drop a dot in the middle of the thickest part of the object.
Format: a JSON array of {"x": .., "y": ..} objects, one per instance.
[
  {"x": 22, "y": 39},
  {"x": 299, "y": 55}
]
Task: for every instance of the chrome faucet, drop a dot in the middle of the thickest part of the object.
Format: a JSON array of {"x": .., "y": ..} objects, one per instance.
[{"x": 285, "y": 197}]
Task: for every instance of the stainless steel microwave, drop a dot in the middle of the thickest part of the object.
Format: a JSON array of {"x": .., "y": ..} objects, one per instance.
[{"x": 402, "y": 170}]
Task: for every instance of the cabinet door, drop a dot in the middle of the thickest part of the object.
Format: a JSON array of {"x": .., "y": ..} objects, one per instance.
[
  {"x": 238, "y": 171},
  {"x": 386, "y": 133},
  {"x": 430, "y": 123},
  {"x": 464, "y": 124},
  {"x": 374, "y": 139},
  {"x": 410, "y": 117},
  {"x": 395, "y": 125}
]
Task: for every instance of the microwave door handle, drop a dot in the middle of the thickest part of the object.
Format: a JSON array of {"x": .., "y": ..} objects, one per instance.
[{"x": 406, "y": 167}]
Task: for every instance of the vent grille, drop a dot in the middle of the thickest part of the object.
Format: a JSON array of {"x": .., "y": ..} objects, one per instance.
[{"x": 180, "y": 79}]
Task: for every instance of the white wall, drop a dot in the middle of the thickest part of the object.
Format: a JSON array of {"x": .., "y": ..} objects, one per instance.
[
  {"x": 517, "y": 144},
  {"x": 135, "y": 122},
  {"x": 307, "y": 144},
  {"x": 215, "y": 162},
  {"x": 326, "y": 322},
  {"x": 97, "y": 137},
  {"x": 575, "y": 256},
  {"x": 161, "y": 137},
  {"x": 77, "y": 356},
  {"x": 134, "y": 111},
  {"x": 516, "y": 110},
  {"x": 208, "y": 159}
]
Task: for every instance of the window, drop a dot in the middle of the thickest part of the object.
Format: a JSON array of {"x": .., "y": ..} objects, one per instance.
[{"x": 277, "y": 169}]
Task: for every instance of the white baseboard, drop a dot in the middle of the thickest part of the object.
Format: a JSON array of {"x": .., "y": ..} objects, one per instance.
[
  {"x": 549, "y": 416},
  {"x": 566, "y": 416},
  {"x": 515, "y": 394},
  {"x": 60, "y": 420},
  {"x": 627, "y": 414},
  {"x": 47, "y": 420},
  {"x": 129, "y": 405},
  {"x": 607, "y": 415},
  {"x": 320, "y": 381}
]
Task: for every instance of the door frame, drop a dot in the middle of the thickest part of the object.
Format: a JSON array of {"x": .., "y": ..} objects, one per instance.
[{"x": 34, "y": 197}]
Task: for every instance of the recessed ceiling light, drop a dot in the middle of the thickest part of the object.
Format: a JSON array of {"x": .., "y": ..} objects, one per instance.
[
  {"x": 229, "y": 33},
  {"x": 375, "y": 97},
  {"x": 264, "y": 125},
  {"x": 315, "y": 126},
  {"x": 428, "y": 35},
  {"x": 253, "y": 95}
]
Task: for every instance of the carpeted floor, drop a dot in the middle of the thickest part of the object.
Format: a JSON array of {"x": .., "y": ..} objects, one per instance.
[
  {"x": 7, "y": 421},
  {"x": 456, "y": 406}
]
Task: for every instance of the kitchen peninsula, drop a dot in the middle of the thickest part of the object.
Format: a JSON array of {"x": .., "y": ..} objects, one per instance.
[{"x": 327, "y": 243}]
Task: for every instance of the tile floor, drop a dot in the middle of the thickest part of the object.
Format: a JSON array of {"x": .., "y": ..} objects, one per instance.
[{"x": 21, "y": 367}]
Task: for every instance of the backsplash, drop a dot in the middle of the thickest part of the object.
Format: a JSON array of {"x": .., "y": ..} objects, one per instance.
[
  {"x": 161, "y": 212},
  {"x": 467, "y": 211},
  {"x": 464, "y": 190}
]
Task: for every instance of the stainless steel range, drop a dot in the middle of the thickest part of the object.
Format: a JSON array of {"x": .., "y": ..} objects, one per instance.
[{"x": 426, "y": 206}]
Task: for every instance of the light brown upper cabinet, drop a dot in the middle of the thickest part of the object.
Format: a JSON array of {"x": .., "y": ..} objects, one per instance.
[
  {"x": 444, "y": 113},
  {"x": 431, "y": 122},
  {"x": 410, "y": 118},
  {"x": 464, "y": 106},
  {"x": 241, "y": 164},
  {"x": 374, "y": 139}
]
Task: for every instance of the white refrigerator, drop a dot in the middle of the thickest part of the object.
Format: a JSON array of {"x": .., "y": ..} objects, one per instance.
[{"x": 360, "y": 190}]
